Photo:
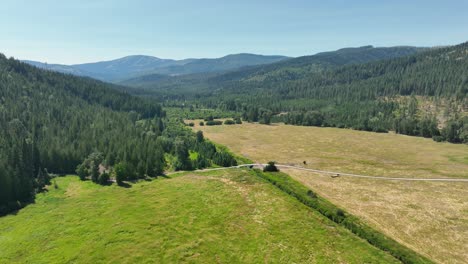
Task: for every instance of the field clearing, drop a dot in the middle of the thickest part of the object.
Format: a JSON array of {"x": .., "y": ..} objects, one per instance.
[
  {"x": 429, "y": 217},
  {"x": 227, "y": 216}
]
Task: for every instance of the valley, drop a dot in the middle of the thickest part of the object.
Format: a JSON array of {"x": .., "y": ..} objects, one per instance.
[{"x": 234, "y": 132}]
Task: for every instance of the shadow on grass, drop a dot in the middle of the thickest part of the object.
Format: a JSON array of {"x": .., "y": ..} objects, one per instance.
[
  {"x": 125, "y": 185},
  {"x": 15, "y": 208}
]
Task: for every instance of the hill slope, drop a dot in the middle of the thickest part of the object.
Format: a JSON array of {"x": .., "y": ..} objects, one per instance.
[{"x": 227, "y": 217}]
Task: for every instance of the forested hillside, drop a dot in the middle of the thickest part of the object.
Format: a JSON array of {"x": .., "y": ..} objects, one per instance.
[
  {"x": 416, "y": 95},
  {"x": 377, "y": 96},
  {"x": 283, "y": 70},
  {"x": 52, "y": 122},
  {"x": 302, "y": 66}
]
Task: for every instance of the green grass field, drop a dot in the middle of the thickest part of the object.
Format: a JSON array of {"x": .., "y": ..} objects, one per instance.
[
  {"x": 213, "y": 217},
  {"x": 429, "y": 217}
]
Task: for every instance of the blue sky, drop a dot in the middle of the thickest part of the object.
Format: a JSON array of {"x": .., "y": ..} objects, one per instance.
[{"x": 69, "y": 31}]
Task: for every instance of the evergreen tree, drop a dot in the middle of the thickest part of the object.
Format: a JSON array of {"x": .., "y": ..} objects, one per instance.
[{"x": 200, "y": 136}]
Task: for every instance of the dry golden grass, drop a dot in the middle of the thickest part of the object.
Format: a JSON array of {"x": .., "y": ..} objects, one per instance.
[{"x": 429, "y": 217}]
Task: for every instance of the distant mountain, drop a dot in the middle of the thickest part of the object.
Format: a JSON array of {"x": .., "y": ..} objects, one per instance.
[
  {"x": 283, "y": 70},
  {"x": 229, "y": 62},
  {"x": 138, "y": 65},
  {"x": 58, "y": 68},
  {"x": 127, "y": 67}
]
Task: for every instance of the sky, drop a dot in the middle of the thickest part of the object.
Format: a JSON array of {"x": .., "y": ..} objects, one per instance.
[{"x": 70, "y": 31}]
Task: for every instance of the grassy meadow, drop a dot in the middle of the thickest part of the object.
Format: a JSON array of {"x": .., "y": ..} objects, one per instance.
[
  {"x": 428, "y": 217},
  {"x": 227, "y": 216}
]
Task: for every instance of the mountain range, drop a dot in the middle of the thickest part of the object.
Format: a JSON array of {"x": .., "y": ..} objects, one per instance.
[
  {"x": 277, "y": 72},
  {"x": 139, "y": 65},
  {"x": 142, "y": 70}
]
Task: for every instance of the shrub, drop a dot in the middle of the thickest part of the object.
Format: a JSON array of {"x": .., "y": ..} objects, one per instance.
[
  {"x": 191, "y": 124},
  {"x": 229, "y": 122},
  {"x": 340, "y": 213},
  {"x": 311, "y": 194},
  {"x": 120, "y": 172},
  {"x": 271, "y": 167},
  {"x": 104, "y": 178},
  {"x": 82, "y": 172},
  {"x": 213, "y": 123},
  {"x": 202, "y": 123}
]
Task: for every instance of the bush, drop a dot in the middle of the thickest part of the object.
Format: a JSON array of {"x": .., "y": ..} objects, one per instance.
[
  {"x": 213, "y": 123},
  {"x": 120, "y": 172},
  {"x": 311, "y": 194},
  {"x": 229, "y": 122},
  {"x": 238, "y": 120},
  {"x": 82, "y": 172},
  {"x": 340, "y": 213},
  {"x": 270, "y": 167},
  {"x": 191, "y": 124},
  {"x": 202, "y": 123},
  {"x": 104, "y": 178},
  {"x": 438, "y": 138}
]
